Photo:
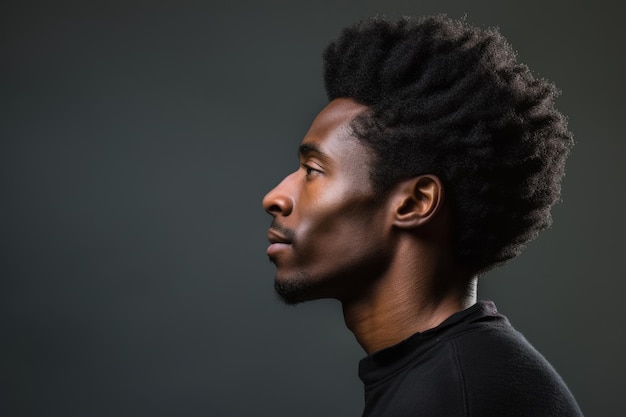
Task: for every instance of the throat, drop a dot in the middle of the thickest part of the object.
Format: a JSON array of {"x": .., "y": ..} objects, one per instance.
[{"x": 393, "y": 313}]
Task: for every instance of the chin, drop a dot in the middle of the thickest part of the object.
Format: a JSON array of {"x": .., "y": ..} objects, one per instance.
[{"x": 295, "y": 291}]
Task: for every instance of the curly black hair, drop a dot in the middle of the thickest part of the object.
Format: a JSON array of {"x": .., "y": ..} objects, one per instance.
[{"x": 449, "y": 99}]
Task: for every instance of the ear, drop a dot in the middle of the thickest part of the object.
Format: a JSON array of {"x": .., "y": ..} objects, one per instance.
[{"x": 418, "y": 201}]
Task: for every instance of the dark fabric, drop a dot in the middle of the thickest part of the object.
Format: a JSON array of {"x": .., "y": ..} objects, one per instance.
[{"x": 474, "y": 364}]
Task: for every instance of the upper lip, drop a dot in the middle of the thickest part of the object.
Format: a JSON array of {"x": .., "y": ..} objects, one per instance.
[{"x": 274, "y": 237}]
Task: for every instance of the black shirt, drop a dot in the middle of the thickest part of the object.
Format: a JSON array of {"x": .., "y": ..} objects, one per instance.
[{"x": 474, "y": 364}]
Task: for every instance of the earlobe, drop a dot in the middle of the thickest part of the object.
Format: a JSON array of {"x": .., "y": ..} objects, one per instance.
[{"x": 419, "y": 200}]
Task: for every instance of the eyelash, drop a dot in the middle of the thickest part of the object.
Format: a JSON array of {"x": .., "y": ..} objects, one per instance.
[{"x": 309, "y": 170}]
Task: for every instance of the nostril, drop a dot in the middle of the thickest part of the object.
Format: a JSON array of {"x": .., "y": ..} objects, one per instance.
[
  {"x": 278, "y": 206},
  {"x": 274, "y": 209}
]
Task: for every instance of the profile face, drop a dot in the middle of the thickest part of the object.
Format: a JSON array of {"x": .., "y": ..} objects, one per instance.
[{"x": 328, "y": 231}]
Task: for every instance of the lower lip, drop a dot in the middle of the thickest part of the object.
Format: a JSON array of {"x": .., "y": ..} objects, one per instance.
[{"x": 274, "y": 248}]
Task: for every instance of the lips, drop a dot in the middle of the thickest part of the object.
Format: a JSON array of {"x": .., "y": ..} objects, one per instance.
[{"x": 278, "y": 242}]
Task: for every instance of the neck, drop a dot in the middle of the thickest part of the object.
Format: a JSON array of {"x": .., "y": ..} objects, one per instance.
[{"x": 407, "y": 301}]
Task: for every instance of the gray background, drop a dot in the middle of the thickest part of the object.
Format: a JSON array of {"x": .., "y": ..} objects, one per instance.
[{"x": 137, "y": 140}]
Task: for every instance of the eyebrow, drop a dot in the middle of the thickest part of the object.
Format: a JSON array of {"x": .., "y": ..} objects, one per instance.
[{"x": 310, "y": 148}]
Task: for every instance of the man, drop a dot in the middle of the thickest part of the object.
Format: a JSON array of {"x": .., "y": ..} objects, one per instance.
[{"x": 437, "y": 159}]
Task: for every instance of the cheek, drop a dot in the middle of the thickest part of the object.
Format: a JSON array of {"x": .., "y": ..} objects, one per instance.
[
  {"x": 334, "y": 219},
  {"x": 341, "y": 230},
  {"x": 348, "y": 252},
  {"x": 322, "y": 219}
]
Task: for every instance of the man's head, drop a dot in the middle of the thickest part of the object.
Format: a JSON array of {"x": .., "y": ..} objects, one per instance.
[
  {"x": 448, "y": 99},
  {"x": 432, "y": 106}
]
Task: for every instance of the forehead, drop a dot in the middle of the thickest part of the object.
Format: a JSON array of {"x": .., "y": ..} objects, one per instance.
[
  {"x": 330, "y": 134},
  {"x": 335, "y": 117}
]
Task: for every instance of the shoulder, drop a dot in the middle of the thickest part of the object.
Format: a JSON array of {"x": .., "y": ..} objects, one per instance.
[
  {"x": 503, "y": 374},
  {"x": 473, "y": 365}
]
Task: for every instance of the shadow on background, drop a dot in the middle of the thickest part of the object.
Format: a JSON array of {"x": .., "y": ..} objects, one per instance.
[{"x": 137, "y": 140}]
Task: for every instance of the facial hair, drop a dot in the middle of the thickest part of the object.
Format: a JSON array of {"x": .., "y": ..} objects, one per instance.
[{"x": 294, "y": 291}]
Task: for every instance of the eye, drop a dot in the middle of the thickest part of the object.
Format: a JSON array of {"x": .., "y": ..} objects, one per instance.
[{"x": 309, "y": 170}]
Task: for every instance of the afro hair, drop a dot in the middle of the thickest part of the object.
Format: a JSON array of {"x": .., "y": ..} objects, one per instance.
[{"x": 449, "y": 99}]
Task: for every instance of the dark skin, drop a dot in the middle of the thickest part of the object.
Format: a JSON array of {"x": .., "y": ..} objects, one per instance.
[{"x": 388, "y": 262}]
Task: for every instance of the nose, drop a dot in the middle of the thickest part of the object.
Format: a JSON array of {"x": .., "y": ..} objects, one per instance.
[{"x": 279, "y": 201}]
